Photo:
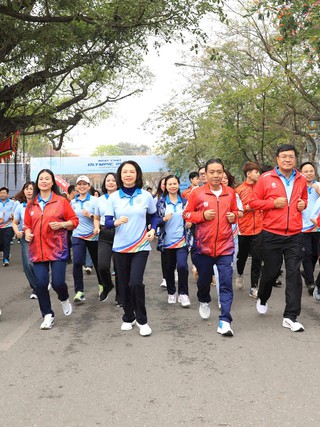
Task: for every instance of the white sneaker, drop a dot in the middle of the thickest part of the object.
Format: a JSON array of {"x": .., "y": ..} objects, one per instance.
[
  {"x": 172, "y": 299},
  {"x": 261, "y": 309},
  {"x": 88, "y": 270},
  {"x": 48, "y": 322},
  {"x": 184, "y": 300},
  {"x": 33, "y": 296},
  {"x": 224, "y": 328},
  {"x": 239, "y": 281},
  {"x": 66, "y": 307},
  {"x": 145, "y": 329},
  {"x": 163, "y": 284},
  {"x": 253, "y": 293},
  {"x": 204, "y": 310},
  {"x": 127, "y": 326},
  {"x": 316, "y": 294},
  {"x": 295, "y": 326}
]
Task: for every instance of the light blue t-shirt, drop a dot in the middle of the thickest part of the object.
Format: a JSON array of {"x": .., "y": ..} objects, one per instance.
[
  {"x": 313, "y": 197},
  {"x": 287, "y": 182},
  {"x": 19, "y": 215},
  {"x": 174, "y": 228},
  {"x": 235, "y": 225},
  {"x": 101, "y": 206},
  {"x": 131, "y": 236},
  {"x": 7, "y": 207},
  {"x": 86, "y": 226}
]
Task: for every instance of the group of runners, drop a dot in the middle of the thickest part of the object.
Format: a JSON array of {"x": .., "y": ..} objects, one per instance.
[{"x": 272, "y": 217}]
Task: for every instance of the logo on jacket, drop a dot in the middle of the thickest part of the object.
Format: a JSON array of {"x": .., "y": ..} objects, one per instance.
[
  {"x": 273, "y": 185},
  {"x": 205, "y": 204}
]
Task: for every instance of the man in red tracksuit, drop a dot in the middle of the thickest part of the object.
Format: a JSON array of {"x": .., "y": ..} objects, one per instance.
[
  {"x": 213, "y": 207},
  {"x": 250, "y": 226},
  {"x": 282, "y": 195}
]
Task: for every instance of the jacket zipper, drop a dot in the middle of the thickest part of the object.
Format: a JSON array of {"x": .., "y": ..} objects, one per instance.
[
  {"x": 41, "y": 234},
  {"x": 216, "y": 240}
]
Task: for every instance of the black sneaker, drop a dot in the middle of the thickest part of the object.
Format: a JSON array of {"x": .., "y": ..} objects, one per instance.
[
  {"x": 103, "y": 296},
  {"x": 277, "y": 283},
  {"x": 104, "y": 292},
  {"x": 311, "y": 287}
]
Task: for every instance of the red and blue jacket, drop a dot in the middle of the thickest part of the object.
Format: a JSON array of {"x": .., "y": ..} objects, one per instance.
[
  {"x": 285, "y": 221},
  {"x": 48, "y": 244},
  {"x": 213, "y": 238}
]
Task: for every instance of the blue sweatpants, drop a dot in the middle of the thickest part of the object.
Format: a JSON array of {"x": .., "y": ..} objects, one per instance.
[
  {"x": 58, "y": 278},
  {"x": 204, "y": 265}
]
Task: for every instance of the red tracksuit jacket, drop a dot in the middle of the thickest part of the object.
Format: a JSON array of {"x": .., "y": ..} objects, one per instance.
[{"x": 213, "y": 238}]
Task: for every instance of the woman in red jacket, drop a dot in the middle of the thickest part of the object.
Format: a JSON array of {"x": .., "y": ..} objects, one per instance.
[{"x": 47, "y": 218}]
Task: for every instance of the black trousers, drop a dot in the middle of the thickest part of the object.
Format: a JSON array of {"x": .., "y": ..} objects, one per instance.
[
  {"x": 275, "y": 248},
  {"x": 105, "y": 255},
  {"x": 250, "y": 245},
  {"x": 311, "y": 243},
  {"x": 130, "y": 267}
]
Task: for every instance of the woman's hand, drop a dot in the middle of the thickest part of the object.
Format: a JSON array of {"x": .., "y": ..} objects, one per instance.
[
  {"x": 121, "y": 220},
  {"x": 150, "y": 235},
  {"x": 19, "y": 234},
  {"x": 28, "y": 235},
  {"x": 86, "y": 213},
  {"x": 167, "y": 217}
]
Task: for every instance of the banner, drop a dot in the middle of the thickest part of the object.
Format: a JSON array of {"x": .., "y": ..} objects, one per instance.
[
  {"x": 8, "y": 146},
  {"x": 93, "y": 165}
]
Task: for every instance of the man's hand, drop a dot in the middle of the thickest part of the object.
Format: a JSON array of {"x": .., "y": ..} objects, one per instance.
[
  {"x": 231, "y": 217},
  {"x": 301, "y": 205},
  {"x": 280, "y": 202},
  {"x": 209, "y": 214}
]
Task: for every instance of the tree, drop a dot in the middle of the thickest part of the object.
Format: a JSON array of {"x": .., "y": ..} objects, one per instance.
[
  {"x": 37, "y": 146},
  {"x": 62, "y": 59},
  {"x": 107, "y": 150},
  {"x": 121, "y": 149},
  {"x": 247, "y": 95},
  {"x": 298, "y": 22}
]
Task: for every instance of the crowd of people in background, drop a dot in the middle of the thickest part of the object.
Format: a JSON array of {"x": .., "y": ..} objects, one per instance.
[{"x": 271, "y": 219}]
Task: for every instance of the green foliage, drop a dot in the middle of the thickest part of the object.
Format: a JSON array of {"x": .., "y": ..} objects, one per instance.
[
  {"x": 121, "y": 149},
  {"x": 107, "y": 150},
  {"x": 246, "y": 96},
  {"x": 298, "y": 22},
  {"x": 60, "y": 60}
]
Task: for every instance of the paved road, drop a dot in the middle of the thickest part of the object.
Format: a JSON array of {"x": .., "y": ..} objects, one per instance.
[{"x": 86, "y": 372}]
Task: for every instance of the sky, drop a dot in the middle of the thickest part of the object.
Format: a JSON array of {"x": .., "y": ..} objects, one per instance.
[{"x": 125, "y": 124}]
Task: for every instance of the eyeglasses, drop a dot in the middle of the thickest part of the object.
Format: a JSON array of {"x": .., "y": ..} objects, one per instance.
[{"x": 287, "y": 156}]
